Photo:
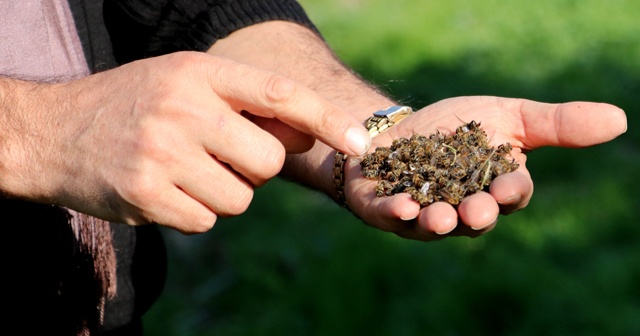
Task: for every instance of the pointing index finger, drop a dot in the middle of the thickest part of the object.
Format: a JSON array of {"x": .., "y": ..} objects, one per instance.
[{"x": 271, "y": 95}]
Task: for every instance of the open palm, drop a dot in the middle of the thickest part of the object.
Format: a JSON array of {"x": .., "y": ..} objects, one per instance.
[{"x": 525, "y": 124}]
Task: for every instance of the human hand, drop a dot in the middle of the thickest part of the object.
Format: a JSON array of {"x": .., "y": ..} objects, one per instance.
[
  {"x": 163, "y": 140},
  {"x": 525, "y": 124}
]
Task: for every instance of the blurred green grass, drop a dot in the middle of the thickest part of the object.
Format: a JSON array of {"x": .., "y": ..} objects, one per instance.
[{"x": 296, "y": 264}]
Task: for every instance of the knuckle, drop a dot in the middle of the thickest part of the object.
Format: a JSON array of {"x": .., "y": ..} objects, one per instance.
[
  {"x": 155, "y": 108},
  {"x": 278, "y": 89},
  {"x": 151, "y": 149},
  {"x": 166, "y": 97},
  {"x": 141, "y": 191},
  {"x": 179, "y": 69},
  {"x": 326, "y": 120},
  {"x": 181, "y": 59}
]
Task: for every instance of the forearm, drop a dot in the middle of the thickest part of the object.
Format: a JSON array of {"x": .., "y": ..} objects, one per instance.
[{"x": 300, "y": 54}]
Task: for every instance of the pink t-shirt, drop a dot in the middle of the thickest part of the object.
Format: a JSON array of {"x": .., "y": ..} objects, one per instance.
[{"x": 39, "y": 41}]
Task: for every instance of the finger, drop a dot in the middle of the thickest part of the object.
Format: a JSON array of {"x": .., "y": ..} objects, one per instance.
[
  {"x": 293, "y": 140},
  {"x": 391, "y": 214},
  {"x": 385, "y": 213},
  {"x": 214, "y": 185},
  {"x": 574, "y": 124},
  {"x": 479, "y": 210},
  {"x": 173, "y": 208},
  {"x": 512, "y": 191},
  {"x": 274, "y": 96},
  {"x": 434, "y": 223},
  {"x": 246, "y": 148},
  {"x": 439, "y": 217}
]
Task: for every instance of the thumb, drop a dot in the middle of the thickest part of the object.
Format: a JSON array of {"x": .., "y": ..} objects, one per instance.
[{"x": 573, "y": 124}]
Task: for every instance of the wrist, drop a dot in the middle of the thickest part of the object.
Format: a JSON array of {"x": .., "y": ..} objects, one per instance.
[{"x": 26, "y": 128}]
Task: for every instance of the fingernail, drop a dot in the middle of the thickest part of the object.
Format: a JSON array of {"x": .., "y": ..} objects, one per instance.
[
  {"x": 477, "y": 228},
  {"x": 511, "y": 200},
  {"x": 444, "y": 232},
  {"x": 358, "y": 140}
]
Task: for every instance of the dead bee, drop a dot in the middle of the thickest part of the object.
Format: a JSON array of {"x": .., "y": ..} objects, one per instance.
[
  {"x": 418, "y": 180},
  {"x": 368, "y": 160},
  {"x": 402, "y": 186},
  {"x": 398, "y": 164},
  {"x": 457, "y": 171},
  {"x": 404, "y": 154},
  {"x": 471, "y": 126},
  {"x": 441, "y": 173},
  {"x": 418, "y": 154},
  {"x": 417, "y": 141},
  {"x": 472, "y": 187},
  {"x": 502, "y": 167},
  {"x": 371, "y": 172},
  {"x": 393, "y": 176},
  {"x": 381, "y": 153},
  {"x": 457, "y": 141},
  {"x": 397, "y": 143},
  {"x": 423, "y": 199},
  {"x": 452, "y": 193},
  {"x": 437, "y": 138},
  {"x": 481, "y": 151},
  {"x": 406, "y": 174},
  {"x": 426, "y": 170},
  {"x": 504, "y": 149},
  {"x": 383, "y": 188}
]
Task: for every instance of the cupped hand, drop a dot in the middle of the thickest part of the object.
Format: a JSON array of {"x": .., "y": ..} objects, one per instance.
[
  {"x": 525, "y": 124},
  {"x": 168, "y": 140}
]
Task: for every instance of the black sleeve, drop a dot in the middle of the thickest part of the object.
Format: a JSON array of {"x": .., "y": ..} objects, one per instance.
[{"x": 142, "y": 28}]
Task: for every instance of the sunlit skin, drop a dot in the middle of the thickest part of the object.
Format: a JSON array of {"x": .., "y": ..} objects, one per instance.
[
  {"x": 525, "y": 124},
  {"x": 186, "y": 145},
  {"x": 135, "y": 145}
]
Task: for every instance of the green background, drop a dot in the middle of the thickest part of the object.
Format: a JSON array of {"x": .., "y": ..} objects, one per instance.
[{"x": 297, "y": 264}]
